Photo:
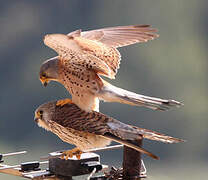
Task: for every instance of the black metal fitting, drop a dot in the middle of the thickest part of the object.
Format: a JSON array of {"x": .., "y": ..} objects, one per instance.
[
  {"x": 91, "y": 165},
  {"x": 30, "y": 166},
  {"x": 1, "y": 157}
]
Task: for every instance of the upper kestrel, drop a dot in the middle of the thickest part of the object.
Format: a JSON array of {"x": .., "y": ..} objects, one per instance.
[
  {"x": 84, "y": 56},
  {"x": 89, "y": 130}
]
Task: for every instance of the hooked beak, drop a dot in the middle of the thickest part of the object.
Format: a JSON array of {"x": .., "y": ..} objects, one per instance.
[
  {"x": 36, "y": 118},
  {"x": 44, "y": 81}
]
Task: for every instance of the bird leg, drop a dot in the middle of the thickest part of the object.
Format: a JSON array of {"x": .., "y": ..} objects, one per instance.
[
  {"x": 70, "y": 153},
  {"x": 62, "y": 102}
]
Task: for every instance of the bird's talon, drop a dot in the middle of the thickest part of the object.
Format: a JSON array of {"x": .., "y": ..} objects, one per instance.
[
  {"x": 70, "y": 153},
  {"x": 78, "y": 156},
  {"x": 63, "y": 102},
  {"x": 62, "y": 156}
]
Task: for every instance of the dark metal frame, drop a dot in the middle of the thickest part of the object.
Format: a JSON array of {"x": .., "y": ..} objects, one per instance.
[{"x": 60, "y": 169}]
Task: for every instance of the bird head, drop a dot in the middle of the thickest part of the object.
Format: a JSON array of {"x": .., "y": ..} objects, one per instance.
[
  {"x": 49, "y": 71},
  {"x": 44, "y": 113}
]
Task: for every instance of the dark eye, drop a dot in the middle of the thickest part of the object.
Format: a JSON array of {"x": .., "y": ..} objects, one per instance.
[
  {"x": 43, "y": 75},
  {"x": 41, "y": 114}
]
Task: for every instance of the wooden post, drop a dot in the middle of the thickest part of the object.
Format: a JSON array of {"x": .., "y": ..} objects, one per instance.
[{"x": 132, "y": 162}]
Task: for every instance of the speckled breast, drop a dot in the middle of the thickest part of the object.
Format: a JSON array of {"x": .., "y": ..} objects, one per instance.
[
  {"x": 80, "y": 139},
  {"x": 77, "y": 79}
]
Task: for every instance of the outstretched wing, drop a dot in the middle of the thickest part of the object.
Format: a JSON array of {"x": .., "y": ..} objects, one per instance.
[
  {"x": 88, "y": 51},
  {"x": 101, "y": 43},
  {"x": 121, "y": 35}
]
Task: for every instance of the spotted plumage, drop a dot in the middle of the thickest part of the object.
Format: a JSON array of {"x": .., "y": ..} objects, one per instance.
[{"x": 84, "y": 56}]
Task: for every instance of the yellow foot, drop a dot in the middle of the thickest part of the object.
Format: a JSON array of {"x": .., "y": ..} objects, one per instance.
[
  {"x": 63, "y": 102},
  {"x": 70, "y": 153}
]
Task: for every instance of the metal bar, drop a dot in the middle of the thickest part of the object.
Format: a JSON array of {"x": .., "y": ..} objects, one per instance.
[
  {"x": 43, "y": 162},
  {"x": 105, "y": 148},
  {"x": 19, "y": 165},
  {"x": 10, "y": 167},
  {"x": 14, "y": 153},
  {"x": 14, "y": 172}
]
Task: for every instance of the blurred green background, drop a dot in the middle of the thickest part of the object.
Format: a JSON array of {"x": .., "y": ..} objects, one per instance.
[{"x": 173, "y": 66}]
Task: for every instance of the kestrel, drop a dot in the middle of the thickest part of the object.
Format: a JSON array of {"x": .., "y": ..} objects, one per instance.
[
  {"x": 89, "y": 130},
  {"x": 84, "y": 56}
]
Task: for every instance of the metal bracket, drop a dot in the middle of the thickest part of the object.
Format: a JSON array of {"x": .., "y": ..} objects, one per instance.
[
  {"x": 10, "y": 154},
  {"x": 74, "y": 166},
  {"x": 61, "y": 169}
]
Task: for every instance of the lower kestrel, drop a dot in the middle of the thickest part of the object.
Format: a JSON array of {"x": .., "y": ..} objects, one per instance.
[
  {"x": 89, "y": 130},
  {"x": 84, "y": 56}
]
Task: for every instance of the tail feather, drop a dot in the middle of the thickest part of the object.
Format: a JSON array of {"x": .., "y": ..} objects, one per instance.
[
  {"x": 155, "y": 136},
  {"x": 131, "y": 145},
  {"x": 129, "y": 132},
  {"x": 114, "y": 94}
]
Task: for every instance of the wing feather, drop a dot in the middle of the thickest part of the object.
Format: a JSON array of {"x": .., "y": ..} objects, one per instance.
[
  {"x": 101, "y": 43},
  {"x": 100, "y": 124},
  {"x": 122, "y": 35}
]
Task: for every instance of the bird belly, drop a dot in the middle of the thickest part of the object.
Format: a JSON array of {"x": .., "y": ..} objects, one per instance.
[
  {"x": 83, "y": 89},
  {"x": 92, "y": 141},
  {"x": 87, "y": 103},
  {"x": 82, "y": 140}
]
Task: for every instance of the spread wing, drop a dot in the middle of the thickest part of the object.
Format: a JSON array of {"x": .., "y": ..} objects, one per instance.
[
  {"x": 89, "y": 51},
  {"x": 121, "y": 35},
  {"x": 101, "y": 43}
]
